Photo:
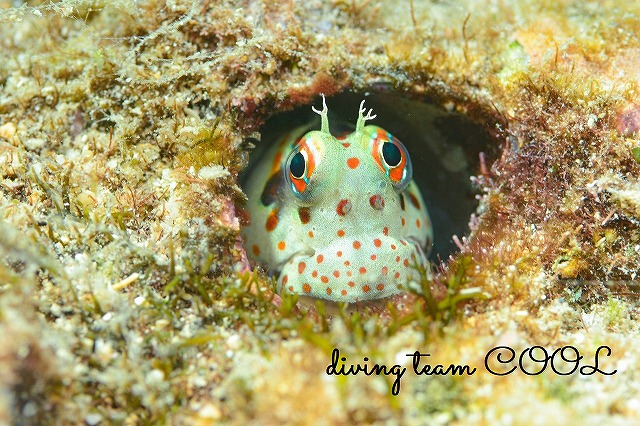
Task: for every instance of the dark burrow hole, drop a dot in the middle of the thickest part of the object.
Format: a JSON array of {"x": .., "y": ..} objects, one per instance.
[{"x": 444, "y": 148}]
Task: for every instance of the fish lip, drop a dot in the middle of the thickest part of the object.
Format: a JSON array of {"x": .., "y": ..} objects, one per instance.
[
  {"x": 415, "y": 241},
  {"x": 305, "y": 252}
]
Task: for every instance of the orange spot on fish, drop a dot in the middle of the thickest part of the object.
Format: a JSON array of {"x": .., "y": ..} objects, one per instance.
[
  {"x": 272, "y": 220},
  {"x": 275, "y": 166},
  {"x": 377, "y": 202},
  {"x": 414, "y": 201},
  {"x": 304, "y": 214},
  {"x": 343, "y": 207}
]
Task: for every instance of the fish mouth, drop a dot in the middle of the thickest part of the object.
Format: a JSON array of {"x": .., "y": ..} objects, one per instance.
[
  {"x": 415, "y": 242},
  {"x": 306, "y": 252}
]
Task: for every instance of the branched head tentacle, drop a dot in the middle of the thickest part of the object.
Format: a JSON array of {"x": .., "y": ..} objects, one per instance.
[
  {"x": 323, "y": 114},
  {"x": 363, "y": 116}
]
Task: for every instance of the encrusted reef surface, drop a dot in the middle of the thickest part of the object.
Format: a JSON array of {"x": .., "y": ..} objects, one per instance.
[{"x": 126, "y": 296}]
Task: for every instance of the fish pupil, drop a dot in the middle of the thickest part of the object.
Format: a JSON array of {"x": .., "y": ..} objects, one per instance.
[
  {"x": 391, "y": 154},
  {"x": 297, "y": 166}
]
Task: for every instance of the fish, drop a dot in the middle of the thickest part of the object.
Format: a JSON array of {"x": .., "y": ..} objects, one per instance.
[{"x": 338, "y": 217}]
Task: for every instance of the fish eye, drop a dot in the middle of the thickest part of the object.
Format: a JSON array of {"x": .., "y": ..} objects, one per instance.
[
  {"x": 391, "y": 157},
  {"x": 297, "y": 165},
  {"x": 300, "y": 167}
]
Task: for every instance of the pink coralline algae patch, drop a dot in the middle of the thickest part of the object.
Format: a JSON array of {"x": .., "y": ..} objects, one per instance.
[{"x": 628, "y": 120}]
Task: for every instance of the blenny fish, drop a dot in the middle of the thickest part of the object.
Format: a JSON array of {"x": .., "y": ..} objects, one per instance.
[{"x": 338, "y": 217}]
